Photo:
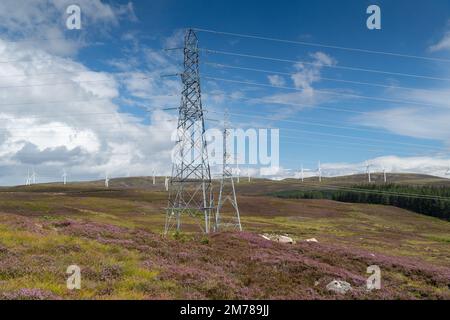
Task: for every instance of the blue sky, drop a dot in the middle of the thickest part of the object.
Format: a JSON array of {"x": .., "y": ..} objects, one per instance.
[{"x": 330, "y": 113}]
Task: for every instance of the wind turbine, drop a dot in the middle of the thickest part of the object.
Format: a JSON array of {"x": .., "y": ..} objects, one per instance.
[
  {"x": 448, "y": 171},
  {"x": 154, "y": 177},
  {"x": 248, "y": 174},
  {"x": 238, "y": 172},
  {"x": 33, "y": 177},
  {"x": 368, "y": 171},
  {"x": 166, "y": 183},
  {"x": 319, "y": 171},
  {"x": 384, "y": 174},
  {"x": 302, "y": 174},
  {"x": 106, "y": 181},
  {"x": 28, "y": 178},
  {"x": 64, "y": 176}
]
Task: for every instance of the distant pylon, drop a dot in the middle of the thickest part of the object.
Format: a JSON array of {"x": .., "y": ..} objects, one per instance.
[
  {"x": 227, "y": 189},
  {"x": 190, "y": 188}
]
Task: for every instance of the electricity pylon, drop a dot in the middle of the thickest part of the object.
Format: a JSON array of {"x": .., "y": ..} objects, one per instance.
[
  {"x": 190, "y": 186},
  {"x": 227, "y": 190}
]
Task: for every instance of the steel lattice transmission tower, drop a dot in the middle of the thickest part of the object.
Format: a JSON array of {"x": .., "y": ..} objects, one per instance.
[
  {"x": 190, "y": 186},
  {"x": 227, "y": 190}
]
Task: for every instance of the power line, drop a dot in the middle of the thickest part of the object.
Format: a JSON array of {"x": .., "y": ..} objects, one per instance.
[
  {"x": 328, "y": 134},
  {"x": 326, "y": 92},
  {"x": 219, "y": 65},
  {"x": 320, "y": 124},
  {"x": 341, "y": 146},
  {"x": 323, "y": 65},
  {"x": 68, "y": 83},
  {"x": 394, "y": 54}
]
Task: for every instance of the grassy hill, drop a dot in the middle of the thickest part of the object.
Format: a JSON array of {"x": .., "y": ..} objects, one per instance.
[{"x": 114, "y": 235}]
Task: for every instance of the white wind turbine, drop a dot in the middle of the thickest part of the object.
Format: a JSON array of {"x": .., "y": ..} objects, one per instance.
[
  {"x": 64, "y": 176},
  {"x": 319, "y": 171},
  {"x": 248, "y": 174},
  {"x": 368, "y": 171},
  {"x": 166, "y": 183},
  {"x": 106, "y": 181},
  {"x": 302, "y": 174},
  {"x": 238, "y": 172},
  {"x": 154, "y": 177},
  {"x": 28, "y": 182},
  {"x": 447, "y": 173},
  {"x": 384, "y": 174},
  {"x": 33, "y": 177}
]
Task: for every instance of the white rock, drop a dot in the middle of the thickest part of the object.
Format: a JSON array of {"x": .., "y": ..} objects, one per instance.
[
  {"x": 284, "y": 239},
  {"x": 265, "y": 237},
  {"x": 312, "y": 240},
  {"x": 339, "y": 286}
]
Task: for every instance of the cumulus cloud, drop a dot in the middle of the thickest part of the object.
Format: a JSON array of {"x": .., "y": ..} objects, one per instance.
[
  {"x": 427, "y": 122},
  {"x": 443, "y": 43},
  {"x": 42, "y": 23},
  {"x": 58, "y": 114},
  {"x": 304, "y": 78},
  {"x": 276, "y": 80},
  {"x": 394, "y": 164}
]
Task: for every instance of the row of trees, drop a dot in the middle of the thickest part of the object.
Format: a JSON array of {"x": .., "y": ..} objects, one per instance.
[{"x": 429, "y": 200}]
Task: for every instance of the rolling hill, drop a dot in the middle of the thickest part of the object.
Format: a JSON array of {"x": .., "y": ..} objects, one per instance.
[{"x": 115, "y": 236}]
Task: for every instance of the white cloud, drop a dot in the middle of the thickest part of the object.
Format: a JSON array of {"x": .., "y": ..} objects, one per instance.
[
  {"x": 427, "y": 122},
  {"x": 443, "y": 44},
  {"x": 34, "y": 20},
  {"x": 304, "y": 77},
  {"x": 75, "y": 123},
  {"x": 393, "y": 164},
  {"x": 276, "y": 80}
]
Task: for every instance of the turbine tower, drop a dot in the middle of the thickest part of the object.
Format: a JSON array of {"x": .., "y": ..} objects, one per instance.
[
  {"x": 33, "y": 177},
  {"x": 384, "y": 174},
  {"x": 368, "y": 171},
  {"x": 302, "y": 174},
  {"x": 190, "y": 188},
  {"x": 64, "y": 176},
  {"x": 248, "y": 174},
  {"x": 154, "y": 177},
  {"x": 106, "y": 181},
  {"x": 227, "y": 189},
  {"x": 28, "y": 182},
  {"x": 447, "y": 173},
  {"x": 319, "y": 171},
  {"x": 166, "y": 183}
]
